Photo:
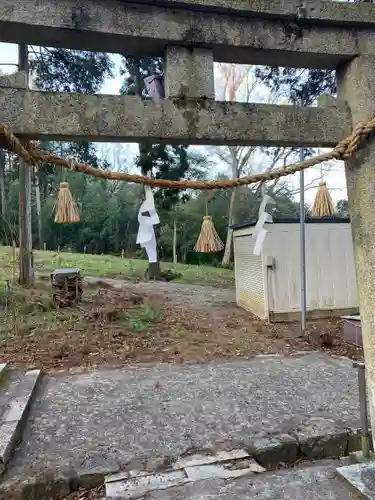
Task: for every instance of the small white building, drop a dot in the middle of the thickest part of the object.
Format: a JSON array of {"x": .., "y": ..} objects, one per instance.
[{"x": 268, "y": 285}]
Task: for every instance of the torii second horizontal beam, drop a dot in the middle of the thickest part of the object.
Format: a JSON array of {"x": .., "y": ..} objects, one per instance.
[{"x": 114, "y": 118}]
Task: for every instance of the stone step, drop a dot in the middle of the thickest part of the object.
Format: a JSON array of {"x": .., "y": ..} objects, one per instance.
[
  {"x": 16, "y": 392},
  {"x": 9, "y": 381},
  {"x": 309, "y": 481},
  {"x": 3, "y": 370},
  {"x": 360, "y": 477},
  {"x": 187, "y": 470}
]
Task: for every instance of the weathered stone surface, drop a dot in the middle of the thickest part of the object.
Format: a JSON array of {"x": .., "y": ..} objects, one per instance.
[
  {"x": 315, "y": 443},
  {"x": 134, "y": 484},
  {"x": 16, "y": 80},
  {"x": 3, "y": 370},
  {"x": 62, "y": 116},
  {"x": 327, "y": 101},
  {"x": 8, "y": 437},
  {"x": 307, "y": 483},
  {"x": 273, "y": 450},
  {"x": 122, "y": 475},
  {"x": 115, "y": 415},
  {"x": 92, "y": 471},
  {"x": 314, "y": 10},
  {"x": 361, "y": 477},
  {"x": 221, "y": 456},
  {"x": 189, "y": 72},
  {"x": 356, "y": 84},
  {"x": 199, "y": 472},
  {"x": 13, "y": 410},
  {"x": 139, "y": 486},
  {"x": 155, "y": 464},
  {"x": 113, "y": 26}
]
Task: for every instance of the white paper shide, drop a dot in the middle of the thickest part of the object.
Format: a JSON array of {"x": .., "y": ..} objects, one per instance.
[
  {"x": 148, "y": 218},
  {"x": 263, "y": 217}
]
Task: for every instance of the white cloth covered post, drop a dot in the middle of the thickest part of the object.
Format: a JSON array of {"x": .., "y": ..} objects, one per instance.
[
  {"x": 148, "y": 218},
  {"x": 263, "y": 217}
]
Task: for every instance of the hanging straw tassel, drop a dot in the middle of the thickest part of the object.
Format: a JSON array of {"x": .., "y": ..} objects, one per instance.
[
  {"x": 323, "y": 205},
  {"x": 66, "y": 211},
  {"x": 209, "y": 240}
]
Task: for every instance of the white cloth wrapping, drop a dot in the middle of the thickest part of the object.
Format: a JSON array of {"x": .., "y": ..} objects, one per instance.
[
  {"x": 148, "y": 218},
  {"x": 263, "y": 217}
]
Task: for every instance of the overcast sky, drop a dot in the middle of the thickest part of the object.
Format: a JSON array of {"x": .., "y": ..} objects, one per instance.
[{"x": 115, "y": 153}]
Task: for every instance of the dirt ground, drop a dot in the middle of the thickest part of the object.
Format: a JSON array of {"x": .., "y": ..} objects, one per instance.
[
  {"x": 94, "y": 494},
  {"x": 121, "y": 322}
]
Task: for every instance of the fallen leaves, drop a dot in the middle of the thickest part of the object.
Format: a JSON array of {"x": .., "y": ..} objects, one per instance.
[
  {"x": 92, "y": 494},
  {"x": 117, "y": 326}
]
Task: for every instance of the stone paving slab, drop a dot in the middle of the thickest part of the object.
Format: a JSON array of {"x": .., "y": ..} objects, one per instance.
[
  {"x": 361, "y": 477},
  {"x": 308, "y": 483},
  {"x": 136, "y": 487},
  {"x": 107, "y": 419},
  {"x": 15, "y": 412},
  {"x": 223, "y": 465},
  {"x": 221, "y": 456},
  {"x": 3, "y": 369}
]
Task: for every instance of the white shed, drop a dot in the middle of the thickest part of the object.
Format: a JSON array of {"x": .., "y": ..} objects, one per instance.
[{"x": 269, "y": 285}]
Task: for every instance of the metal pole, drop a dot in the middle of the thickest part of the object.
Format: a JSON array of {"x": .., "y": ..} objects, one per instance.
[
  {"x": 302, "y": 245},
  {"x": 365, "y": 437}
]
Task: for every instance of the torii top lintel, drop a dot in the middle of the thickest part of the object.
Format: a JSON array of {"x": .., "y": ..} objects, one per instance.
[
  {"x": 327, "y": 11},
  {"x": 321, "y": 34}
]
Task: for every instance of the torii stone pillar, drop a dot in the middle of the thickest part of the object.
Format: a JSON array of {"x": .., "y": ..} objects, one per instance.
[{"x": 356, "y": 85}]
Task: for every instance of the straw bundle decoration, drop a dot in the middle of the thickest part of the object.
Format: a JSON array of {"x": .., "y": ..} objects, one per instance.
[
  {"x": 209, "y": 240},
  {"x": 323, "y": 205},
  {"x": 66, "y": 211}
]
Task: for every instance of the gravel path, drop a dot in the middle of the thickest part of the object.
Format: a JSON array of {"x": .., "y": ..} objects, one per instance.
[
  {"x": 106, "y": 418},
  {"x": 180, "y": 294}
]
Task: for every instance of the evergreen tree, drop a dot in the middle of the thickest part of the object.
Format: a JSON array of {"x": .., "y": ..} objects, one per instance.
[
  {"x": 300, "y": 87},
  {"x": 342, "y": 208},
  {"x": 65, "y": 70}
]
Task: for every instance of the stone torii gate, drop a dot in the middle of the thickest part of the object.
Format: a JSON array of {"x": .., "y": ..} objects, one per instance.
[{"x": 192, "y": 34}]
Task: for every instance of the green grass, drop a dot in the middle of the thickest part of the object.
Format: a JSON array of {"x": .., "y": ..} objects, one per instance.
[
  {"x": 139, "y": 319},
  {"x": 115, "y": 267}
]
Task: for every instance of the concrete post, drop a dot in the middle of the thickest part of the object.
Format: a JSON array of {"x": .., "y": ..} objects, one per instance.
[
  {"x": 356, "y": 85},
  {"x": 189, "y": 72}
]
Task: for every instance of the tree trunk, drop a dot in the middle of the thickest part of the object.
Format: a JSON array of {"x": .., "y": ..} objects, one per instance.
[
  {"x": 229, "y": 241},
  {"x": 184, "y": 255},
  {"x": 174, "y": 242},
  {"x": 26, "y": 269},
  {"x": 2, "y": 183},
  {"x": 38, "y": 211},
  {"x": 2, "y": 190}
]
